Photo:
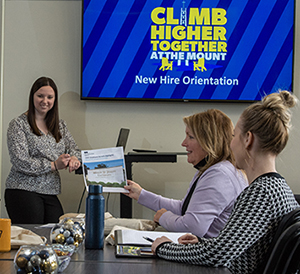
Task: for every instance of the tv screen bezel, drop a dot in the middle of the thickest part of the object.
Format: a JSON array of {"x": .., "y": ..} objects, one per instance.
[{"x": 130, "y": 99}]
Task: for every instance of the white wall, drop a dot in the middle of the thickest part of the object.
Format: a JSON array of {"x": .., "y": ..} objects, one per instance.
[{"x": 43, "y": 38}]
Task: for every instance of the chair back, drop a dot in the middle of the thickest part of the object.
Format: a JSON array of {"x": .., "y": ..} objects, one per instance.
[
  {"x": 285, "y": 256},
  {"x": 287, "y": 221}
]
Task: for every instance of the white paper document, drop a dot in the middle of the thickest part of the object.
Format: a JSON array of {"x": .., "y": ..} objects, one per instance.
[
  {"x": 136, "y": 237},
  {"x": 106, "y": 167}
]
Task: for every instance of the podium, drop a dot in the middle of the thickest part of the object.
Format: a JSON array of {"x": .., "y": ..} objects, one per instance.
[{"x": 142, "y": 157}]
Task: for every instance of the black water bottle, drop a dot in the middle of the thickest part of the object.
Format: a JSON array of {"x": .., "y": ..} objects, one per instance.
[{"x": 94, "y": 218}]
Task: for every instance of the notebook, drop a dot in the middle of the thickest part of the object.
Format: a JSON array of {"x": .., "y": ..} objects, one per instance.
[
  {"x": 136, "y": 237},
  {"x": 134, "y": 243}
]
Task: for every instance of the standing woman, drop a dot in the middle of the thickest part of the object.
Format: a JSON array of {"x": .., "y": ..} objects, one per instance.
[
  {"x": 39, "y": 146},
  {"x": 212, "y": 192},
  {"x": 259, "y": 136}
]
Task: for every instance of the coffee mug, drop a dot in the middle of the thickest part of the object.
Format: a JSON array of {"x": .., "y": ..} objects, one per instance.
[{"x": 5, "y": 233}]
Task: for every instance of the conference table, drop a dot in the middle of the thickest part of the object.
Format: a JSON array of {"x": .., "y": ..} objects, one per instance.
[{"x": 104, "y": 261}]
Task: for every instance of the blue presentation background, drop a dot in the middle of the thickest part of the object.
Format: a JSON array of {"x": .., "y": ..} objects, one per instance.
[{"x": 116, "y": 48}]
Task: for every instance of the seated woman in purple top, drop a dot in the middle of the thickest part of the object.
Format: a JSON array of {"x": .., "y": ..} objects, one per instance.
[{"x": 217, "y": 183}]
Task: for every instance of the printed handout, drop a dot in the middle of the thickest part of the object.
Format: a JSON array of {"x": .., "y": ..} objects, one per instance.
[{"x": 106, "y": 167}]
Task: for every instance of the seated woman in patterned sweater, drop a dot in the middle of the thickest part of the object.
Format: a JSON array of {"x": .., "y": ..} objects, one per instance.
[{"x": 259, "y": 136}]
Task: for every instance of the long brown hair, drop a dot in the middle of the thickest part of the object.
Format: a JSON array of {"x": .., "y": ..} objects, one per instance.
[
  {"x": 52, "y": 118},
  {"x": 213, "y": 130}
]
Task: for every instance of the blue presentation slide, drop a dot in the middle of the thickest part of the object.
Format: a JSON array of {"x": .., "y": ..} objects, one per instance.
[{"x": 186, "y": 50}]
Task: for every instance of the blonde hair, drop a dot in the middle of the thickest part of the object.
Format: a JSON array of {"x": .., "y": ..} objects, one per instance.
[
  {"x": 213, "y": 130},
  {"x": 270, "y": 120}
]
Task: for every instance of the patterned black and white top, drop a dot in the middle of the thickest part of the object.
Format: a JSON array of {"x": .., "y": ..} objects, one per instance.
[
  {"x": 31, "y": 157},
  {"x": 243, "y": 243}
]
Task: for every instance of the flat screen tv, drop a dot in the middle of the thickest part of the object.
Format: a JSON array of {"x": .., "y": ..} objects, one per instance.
[{"x": 186, "y": 50}]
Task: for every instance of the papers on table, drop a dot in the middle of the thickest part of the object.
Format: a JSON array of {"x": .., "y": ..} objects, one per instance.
[
  {"x": 105, "y": 167},
  {"x": 136, "y": 237}
]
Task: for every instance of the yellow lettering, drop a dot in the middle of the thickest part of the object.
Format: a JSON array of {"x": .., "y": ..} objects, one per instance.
[
  {"x": 218, "y": 16},
  {"x": 212, "y": 46},
  {"x": 193, "y": 32},
  {"x": 202, "y": 19},
  {"x": 164, "y": 45},
  {"x": 160, "y": 32},
  {"x": 168, "y": 32},
  {"x": 154, "y": 16},
  {"x": 219, "y": 33},
  {"x": 175, "y": 46},
  {"x": 222, "y": 46},
  {"x": 154, "y": 43},
  {"x": 184, "y": 46},
  {"x": 170, "y": 17},
  {"x": 179, "y": 33},
  {"x": 203, "y": 46},
  {"x": 193, "y": 45},
  {"x": 206, "y": 33}
]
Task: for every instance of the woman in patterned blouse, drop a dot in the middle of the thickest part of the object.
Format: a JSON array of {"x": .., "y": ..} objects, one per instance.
[
  {"x": 39, "y": 145},
  {"x": 259, "y": 136}
]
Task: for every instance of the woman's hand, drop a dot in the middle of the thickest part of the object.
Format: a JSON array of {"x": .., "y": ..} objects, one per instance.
[
  {"x": 62, "y": 161},
  {"x": 188, "y": 239},
  {"x": 158, "y": 214},
  {"x": 73, "y": 163},
  {"x": 158, "y": 241},
  {"x": 134, "y": 190}
]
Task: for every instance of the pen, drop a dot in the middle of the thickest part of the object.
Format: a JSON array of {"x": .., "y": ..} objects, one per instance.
[{"x": 148, "y": 239}]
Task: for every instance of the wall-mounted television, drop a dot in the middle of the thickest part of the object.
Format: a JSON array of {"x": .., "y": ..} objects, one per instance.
[{"x": 186, "y": 50}]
